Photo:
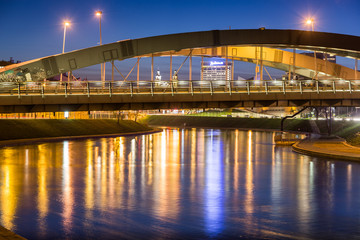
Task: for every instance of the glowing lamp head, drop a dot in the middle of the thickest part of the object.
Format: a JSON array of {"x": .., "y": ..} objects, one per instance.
[
  {"x": 98, "y": 13},
  {"x": 66, "y": 24},
  {"x": 309, "y": 21}
]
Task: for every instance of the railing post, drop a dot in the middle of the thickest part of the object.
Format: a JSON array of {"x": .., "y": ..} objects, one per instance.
[
  {"x": 66, "y": 89},
  {"x": 230, "y": 90},
  {"x": 110, "y": 89},
  {"x": 172, "y": 87},
  {"x": 88, "y": 89},
  {"x": 131, "y": 89},
  {"x": 334, "y": 87},
  {"x": 317, "y": 86},
  {"x": 350, "y": 89},
  {"x": 211, "y": 88},
  {"x": 152, "y": 88},
  {"x": 283, "y": 86},
  {"x": 192, "y": 88},
  {"x": 266, "y": 87},
  {"x": 248, "y": 87},
  {"x": 19, "y": 90},
  {"x": 301, "y": 89}
]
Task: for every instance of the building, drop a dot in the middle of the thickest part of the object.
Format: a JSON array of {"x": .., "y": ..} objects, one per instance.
[
  {"x": 4, "y": 63},
  {"x": 216, "y": 70}
]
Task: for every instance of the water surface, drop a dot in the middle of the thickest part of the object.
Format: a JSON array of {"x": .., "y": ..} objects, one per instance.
[{"x": 181, "y": 183}]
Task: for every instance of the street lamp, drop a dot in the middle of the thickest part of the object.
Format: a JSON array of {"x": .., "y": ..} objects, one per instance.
[
  {"x": 102, "y": 72},
  {"x": 310, "y": 21},
  {"x": 66, "y": 24}
]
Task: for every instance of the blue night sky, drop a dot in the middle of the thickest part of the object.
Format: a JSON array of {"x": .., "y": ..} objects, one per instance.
[{"x": 33, "y": 29}]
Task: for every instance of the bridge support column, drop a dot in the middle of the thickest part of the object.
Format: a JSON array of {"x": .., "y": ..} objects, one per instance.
[
  {"x": 232, "y": 72},
  {"x": 170, "y": 68},
  {"x": 294, "y": 61},
  {"x": 138, "y": 72},
  {"x": 261, "y": 66},
  {"x": 190, "y": 72},
  {"x": 152, "y": 67},
  {"x": 329, "y": 122},
  {"x": 202, "y": 69},
  {"x": 316, "y": 113},
  {"x": 112, "y": 70},
  {"x": 190, "y": 68}
]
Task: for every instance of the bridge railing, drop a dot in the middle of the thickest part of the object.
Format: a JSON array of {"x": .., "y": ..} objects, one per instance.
[{"x": 176, "y": 87}]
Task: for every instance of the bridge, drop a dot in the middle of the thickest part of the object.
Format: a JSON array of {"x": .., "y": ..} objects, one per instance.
[{"x": 328, "y": 84}]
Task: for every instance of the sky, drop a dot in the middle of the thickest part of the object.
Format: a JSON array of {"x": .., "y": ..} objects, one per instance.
[{"x": 32, "y": 29}]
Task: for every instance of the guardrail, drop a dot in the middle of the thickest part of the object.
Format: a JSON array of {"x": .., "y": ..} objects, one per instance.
[{"x": 179, "y": 87}]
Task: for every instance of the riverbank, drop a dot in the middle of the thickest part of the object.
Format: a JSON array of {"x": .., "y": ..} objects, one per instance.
[
  {"x": 22, "y": 131},
  {"x": 336, "y": 148},
  {"x": 8, "y": 235}
]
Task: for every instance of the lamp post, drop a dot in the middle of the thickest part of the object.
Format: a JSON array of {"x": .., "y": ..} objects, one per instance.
[
  {"x": 310, "y": 21},
  {"x": 66, "y": 23},
  {"x": 102, "y": 74}
]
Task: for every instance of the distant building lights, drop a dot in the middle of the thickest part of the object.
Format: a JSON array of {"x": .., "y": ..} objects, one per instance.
[
  {"x": 66, "y": 115},
  {"x": 212, "y": 63}
]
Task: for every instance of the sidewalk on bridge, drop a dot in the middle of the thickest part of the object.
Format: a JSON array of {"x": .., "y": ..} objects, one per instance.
[{"x": 332, "y": 147}]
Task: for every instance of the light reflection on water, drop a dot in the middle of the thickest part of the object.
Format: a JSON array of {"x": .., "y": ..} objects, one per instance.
[{"x": 180, "y": 183}]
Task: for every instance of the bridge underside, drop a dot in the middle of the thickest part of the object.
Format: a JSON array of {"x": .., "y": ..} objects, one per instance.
[{"x": 28, "y": 104}]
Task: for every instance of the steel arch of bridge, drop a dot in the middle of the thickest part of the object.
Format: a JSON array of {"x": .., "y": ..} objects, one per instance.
[{"x": 39, "y": 69}]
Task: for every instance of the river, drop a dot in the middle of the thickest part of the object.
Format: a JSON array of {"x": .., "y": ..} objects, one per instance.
[{"x": 177, "y": 184}]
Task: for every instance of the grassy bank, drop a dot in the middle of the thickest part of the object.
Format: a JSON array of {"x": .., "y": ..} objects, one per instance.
[
  {"x": 345, "y": 129},
  {"x": 46, "y": 128}
]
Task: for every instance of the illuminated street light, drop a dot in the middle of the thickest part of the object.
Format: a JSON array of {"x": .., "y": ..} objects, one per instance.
[
  {"x": 102, "y": 71},
  {"x": 66, "y": 24},
  {"x": 310, "y": 21}
]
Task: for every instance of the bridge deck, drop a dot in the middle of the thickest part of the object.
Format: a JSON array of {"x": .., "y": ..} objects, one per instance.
[{"x": 91, "y": 96}]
